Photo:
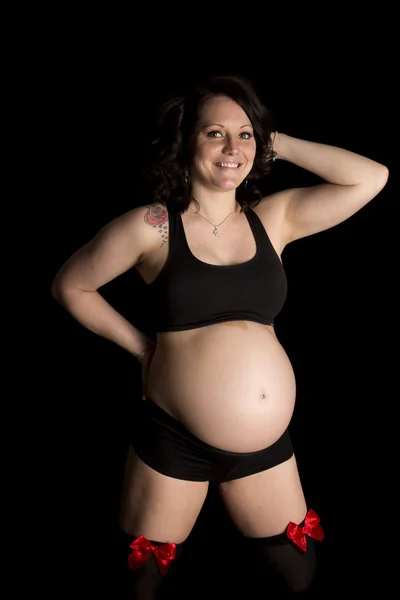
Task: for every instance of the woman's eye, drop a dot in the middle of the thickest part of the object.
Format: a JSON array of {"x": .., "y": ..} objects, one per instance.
[{"x": 245, "y": 135}]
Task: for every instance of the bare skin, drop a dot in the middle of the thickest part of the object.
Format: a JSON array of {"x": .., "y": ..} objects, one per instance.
[
  {"x": 234, "y": 413},
  {"x": 215, "y": 415},
  {"x": 168, "y": 508},
  {"x": 230, "y": 384}
]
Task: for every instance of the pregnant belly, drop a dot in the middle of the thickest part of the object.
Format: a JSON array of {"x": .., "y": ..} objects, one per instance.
[{"x": 231, "y": 385}]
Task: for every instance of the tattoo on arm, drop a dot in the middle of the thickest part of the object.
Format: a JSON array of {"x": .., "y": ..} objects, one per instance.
[{"x": 157, "y": 217}]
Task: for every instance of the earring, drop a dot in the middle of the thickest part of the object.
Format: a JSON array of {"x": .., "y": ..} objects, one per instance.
[
  {"x": 245, "y": 182},
  {"x": 186, "y": 177}
]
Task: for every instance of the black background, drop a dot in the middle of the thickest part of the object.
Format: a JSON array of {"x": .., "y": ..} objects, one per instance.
[{"x": 96, "y": 92}]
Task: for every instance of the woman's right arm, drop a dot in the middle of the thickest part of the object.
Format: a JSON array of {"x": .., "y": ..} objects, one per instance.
[{"x": 116, "y": 248}]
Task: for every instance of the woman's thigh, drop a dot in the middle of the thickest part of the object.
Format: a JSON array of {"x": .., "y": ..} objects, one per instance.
[
  {"x": 263, "y": 504},
  {"x": 159, "y": 507}
]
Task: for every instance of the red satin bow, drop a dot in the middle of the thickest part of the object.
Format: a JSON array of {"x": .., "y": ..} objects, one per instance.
[
  {"x": 311, "y": 527},
  {"x": 142, "y": 549}
]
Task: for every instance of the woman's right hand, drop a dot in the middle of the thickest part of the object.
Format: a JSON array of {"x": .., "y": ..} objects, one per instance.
[{"x": 146, "y": 359}]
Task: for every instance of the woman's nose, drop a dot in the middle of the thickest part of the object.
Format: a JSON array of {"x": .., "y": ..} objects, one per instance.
[{"x": 231, "y": 146}]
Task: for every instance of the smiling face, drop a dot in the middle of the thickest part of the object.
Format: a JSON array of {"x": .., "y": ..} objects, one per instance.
[{"x": 224, "y": 147}]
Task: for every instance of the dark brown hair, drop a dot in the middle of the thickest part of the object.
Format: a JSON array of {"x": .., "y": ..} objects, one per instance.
[{"x": 167, "y": 177}]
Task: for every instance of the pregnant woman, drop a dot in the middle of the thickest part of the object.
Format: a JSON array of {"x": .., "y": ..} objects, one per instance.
[{"x": 218, "y": 388}]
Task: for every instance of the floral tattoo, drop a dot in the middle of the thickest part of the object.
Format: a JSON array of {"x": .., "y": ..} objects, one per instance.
[{"x": 157, "y": 217}]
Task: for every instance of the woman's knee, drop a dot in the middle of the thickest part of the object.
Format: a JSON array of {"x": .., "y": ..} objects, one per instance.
[
  {"x": 290, "y": 558},
  {"x": 144, "y": 566},
  {"x": 281, "y": 563}
]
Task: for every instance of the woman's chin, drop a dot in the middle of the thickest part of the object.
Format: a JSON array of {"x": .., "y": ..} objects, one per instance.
[{"x": 229, "y": 184}]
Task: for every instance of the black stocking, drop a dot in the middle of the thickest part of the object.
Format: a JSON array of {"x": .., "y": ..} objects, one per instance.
[
  {"x": 287, "y": 567},
  {"x": 147, "y": 581}
]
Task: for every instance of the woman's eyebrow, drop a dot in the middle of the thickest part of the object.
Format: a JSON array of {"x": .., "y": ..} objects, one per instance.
[{"x": 223, "y": 126}]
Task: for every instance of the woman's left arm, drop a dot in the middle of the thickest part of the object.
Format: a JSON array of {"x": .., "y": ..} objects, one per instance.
[{"x": 352, "y": 181}]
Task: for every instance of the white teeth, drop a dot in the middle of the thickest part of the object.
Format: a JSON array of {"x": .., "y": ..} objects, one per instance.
[{"x": 229, "y": 165}]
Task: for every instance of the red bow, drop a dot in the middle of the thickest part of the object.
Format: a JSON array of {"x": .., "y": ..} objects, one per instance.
[
  {"x": 142, "y": 549},
  {"x": 311, "y": 527}
]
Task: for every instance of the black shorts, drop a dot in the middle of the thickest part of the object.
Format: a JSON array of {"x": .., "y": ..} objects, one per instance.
[{"x": 166, "y": 446}]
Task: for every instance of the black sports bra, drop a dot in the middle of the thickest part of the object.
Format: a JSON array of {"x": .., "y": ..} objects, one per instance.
[{"x": 188, "y": 293}]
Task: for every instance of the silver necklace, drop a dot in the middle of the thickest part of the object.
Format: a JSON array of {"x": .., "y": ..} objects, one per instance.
[{"x": 215, "y": 231}]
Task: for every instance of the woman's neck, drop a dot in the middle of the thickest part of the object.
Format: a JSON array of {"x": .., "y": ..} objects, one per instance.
[{"x": 214, "y": 207}]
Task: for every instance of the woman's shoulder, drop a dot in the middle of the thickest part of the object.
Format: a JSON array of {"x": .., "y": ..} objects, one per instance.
[
  {"x": 135, "y": 231},
  {"x": 143, "y": 217},
  {"x": 154, "y": 214}
]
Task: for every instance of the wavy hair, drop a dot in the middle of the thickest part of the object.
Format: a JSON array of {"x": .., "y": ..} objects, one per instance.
[{"x": 167, "y": 176}]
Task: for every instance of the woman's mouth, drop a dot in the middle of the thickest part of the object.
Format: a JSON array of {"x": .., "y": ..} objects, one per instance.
[{"x": 228, "y": 165}]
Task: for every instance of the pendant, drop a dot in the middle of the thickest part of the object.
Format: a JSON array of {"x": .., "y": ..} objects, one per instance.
[{"x": 216, "y": 231}]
